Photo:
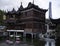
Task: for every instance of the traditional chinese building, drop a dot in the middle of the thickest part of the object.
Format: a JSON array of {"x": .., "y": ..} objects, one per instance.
[
  {"x": 52, "y": 24},
  {"x": 30, "y": 19}
]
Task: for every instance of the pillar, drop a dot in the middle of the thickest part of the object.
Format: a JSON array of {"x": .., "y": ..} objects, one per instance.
[
  {"x": 16, "y": 33},
  {"x": 47, "y": 28},
  {"x": 24, "y": 34},
  {"x": 9, "y": 33},
  {"x": 32, "y": 35},
  {"x": 24, "y": 40}
]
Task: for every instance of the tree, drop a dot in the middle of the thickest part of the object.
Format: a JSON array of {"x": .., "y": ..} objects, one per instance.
[
  {"x": 1, "y": 17},
  {"x": 58, "y": 30},
  {"x": 58, "y": 35}
]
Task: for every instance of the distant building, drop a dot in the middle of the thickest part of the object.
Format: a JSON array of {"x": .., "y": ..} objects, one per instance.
[
  {"x": 51, "y": 23},
  {"x": 30, "y": 19},
  {"x": 50, "y": 26},
  {"x": 54, "y": 22}
]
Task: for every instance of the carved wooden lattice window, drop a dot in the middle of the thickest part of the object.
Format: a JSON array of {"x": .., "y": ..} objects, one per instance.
[
  {"x": 10, "y": 16},
  {"x": 25, "y": 13}
]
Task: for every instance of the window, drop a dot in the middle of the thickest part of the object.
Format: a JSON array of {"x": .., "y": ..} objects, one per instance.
[
  {"x": 10, "y": 16},
  {"x": 25, "y": 13}
]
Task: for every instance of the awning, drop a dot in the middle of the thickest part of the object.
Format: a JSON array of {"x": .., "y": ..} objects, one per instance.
[{"x": 15, "y": 30}]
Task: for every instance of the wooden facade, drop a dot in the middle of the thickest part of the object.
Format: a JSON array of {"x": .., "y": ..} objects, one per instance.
[{"x": 29, "y": 19}]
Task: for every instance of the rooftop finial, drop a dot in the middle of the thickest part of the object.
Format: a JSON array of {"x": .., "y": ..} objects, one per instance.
[
  {"x": 33, "y": 1},
  {"x": 21, "y": 6},
  {"x": 21, "y": 3}
]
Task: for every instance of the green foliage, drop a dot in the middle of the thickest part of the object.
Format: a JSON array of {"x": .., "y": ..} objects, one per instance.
[
  {"x": 58, "y": 30},
  {"x": 37, "y": 42},
  {"x": 1, "y": 17},
  {"x": 1, "y": 38}
]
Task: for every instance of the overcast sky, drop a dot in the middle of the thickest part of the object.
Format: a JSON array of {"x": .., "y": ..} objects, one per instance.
[{"x": 10, "y": 4}]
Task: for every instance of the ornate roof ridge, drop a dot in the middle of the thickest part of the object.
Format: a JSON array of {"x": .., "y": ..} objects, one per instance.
[{"x": 31, "y": 5}]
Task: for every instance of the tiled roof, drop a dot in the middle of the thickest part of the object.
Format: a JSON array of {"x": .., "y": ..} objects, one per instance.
[
  {"x": 56, "y": 21},
  {"x": 30, "y": 5}
]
